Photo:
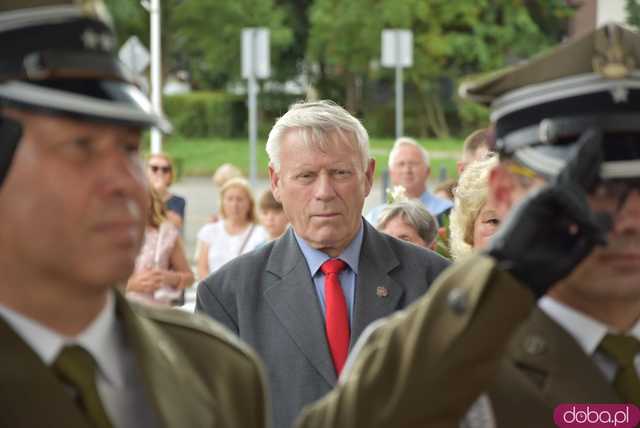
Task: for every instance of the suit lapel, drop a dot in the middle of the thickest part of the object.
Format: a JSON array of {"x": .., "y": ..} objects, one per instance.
[
  {"x": 377, "y": 293},
  {"x": 292, "y": 297},
  {"x": 177, "y": 393},
  {"x": 564, "y": 372},
  {"x": 31, "y": 394}
]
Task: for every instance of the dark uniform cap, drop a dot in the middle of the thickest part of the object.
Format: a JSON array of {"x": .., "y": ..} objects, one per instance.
[
  {"x": 541, "y": 107},
  {"x": 60, "y": 56}
]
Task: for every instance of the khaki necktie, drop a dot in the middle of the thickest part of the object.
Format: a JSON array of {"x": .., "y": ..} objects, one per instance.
[
  {"x": 77, "y": 369},
  {"x": 623, "y": 350}
]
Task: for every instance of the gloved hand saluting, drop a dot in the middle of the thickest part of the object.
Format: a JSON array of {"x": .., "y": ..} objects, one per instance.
[{"x": 553, "y": 229}]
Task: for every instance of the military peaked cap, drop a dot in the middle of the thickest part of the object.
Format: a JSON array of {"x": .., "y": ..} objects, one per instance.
[
  {"x": 60, "y": 56},
  {"x": 542, "y": 106}
]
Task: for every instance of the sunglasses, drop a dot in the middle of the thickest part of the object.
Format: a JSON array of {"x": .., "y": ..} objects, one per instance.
[{"x": 156, "y": 168}]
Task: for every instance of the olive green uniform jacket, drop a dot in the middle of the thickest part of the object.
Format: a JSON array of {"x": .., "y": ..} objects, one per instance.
[
  {"x": 425, "y": 366},
  {"x": 196, "y": 375}
]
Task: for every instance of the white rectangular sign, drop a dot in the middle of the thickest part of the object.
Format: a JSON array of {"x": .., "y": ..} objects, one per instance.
[
  {"x": 255, "y": 53},
  {"x": 397, "y": 48}
]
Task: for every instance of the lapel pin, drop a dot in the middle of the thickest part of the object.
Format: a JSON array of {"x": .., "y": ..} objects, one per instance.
[{"x": 382, "y": 291}]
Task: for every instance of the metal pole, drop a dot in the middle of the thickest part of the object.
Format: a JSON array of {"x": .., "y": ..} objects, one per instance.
[
  {"x": 253, "y": 124},
  {"x": 399, "y": 102},
  {"x": 156, "y": 79},
  {"x": 253, "y": 131}
]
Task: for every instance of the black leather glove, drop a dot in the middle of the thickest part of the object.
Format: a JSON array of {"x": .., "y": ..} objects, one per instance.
[{"x": 552, "y": 230}]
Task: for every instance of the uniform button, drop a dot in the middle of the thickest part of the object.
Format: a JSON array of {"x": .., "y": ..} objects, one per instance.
[
  {"x": 458, "y": 300},
  {"x": 534, "y": 345},
  {"x": 382, "y": 291}
]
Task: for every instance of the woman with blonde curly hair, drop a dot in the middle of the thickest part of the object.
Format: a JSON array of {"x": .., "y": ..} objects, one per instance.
[{"x": 473, "y": 219}]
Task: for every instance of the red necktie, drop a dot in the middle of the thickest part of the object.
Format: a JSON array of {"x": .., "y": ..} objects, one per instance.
[{"x": 337, "y": 316}]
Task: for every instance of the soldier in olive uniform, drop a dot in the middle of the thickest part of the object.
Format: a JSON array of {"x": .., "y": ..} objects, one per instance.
[
  {"x": 550, "y": 313},
  {"x": 73, "y": 204}
]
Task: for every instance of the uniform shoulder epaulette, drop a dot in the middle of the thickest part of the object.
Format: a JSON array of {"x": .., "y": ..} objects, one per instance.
[{"x": 197, "y": 322}]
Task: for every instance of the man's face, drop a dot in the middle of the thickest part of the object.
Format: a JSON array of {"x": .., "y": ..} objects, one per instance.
[
  {"x": 613, "y": 271},
  {"x": 159, "y": 172},
  {"x": 322, "y": 192},
  {"x": 609, "y": 273},
  {"x": 74, "y": 202},
  {"x": 409, "y": 170}
]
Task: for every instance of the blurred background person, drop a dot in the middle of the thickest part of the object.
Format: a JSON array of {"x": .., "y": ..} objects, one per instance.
[
  {"x": 272, "y": 215},
  {"x": 409, "y": 221},
  {"x": 409, "y": 168},
  {"x": 161, "y": 271},
  {"x": 224, "y": 173},
  {"x": 445, "y": 189},
  {"x": 161, "y": 173},
  {"x": 473, "y": 219},
  {"x": 237, "y": 232},
  {"x": 475, "y": 147}
]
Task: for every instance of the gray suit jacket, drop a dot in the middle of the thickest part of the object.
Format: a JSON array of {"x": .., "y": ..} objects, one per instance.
[{"x": 268, "y": 298}]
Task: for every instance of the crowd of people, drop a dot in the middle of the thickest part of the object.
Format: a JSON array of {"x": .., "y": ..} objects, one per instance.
[{"x": 309, "y": 314}]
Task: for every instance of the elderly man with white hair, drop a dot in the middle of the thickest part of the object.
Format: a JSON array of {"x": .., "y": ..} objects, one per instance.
[
  {"x": 302, "y": 300},
  {"x": 409, "y": 168}
]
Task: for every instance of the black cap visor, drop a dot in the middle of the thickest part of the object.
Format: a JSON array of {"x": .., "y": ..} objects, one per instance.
[{"x": 105, "y": 100}]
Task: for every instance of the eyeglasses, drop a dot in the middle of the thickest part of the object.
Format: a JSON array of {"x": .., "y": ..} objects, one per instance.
[
  {"x": 615, "y": 189},
  {"x": 166, "y": 169}
]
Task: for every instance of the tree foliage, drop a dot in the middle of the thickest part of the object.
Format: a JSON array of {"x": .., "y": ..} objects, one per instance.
[
  {"x": 451, "y": 39},
  {"x": 335, "y": 44},
  {"x": 633, "y": 13},
  {"x": 204, "y": 36}
]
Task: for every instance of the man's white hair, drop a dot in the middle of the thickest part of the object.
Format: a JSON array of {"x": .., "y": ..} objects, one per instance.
[
  {"x": 317, "y": 123},
  {"x": 407, "y": 141}
]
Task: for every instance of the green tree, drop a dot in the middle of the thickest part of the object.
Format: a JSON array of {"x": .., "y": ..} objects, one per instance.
[
  {"x": 204, "y": 36},
  {"x": 633, "y": 13},
  {"x": 208, "y": 36},
  {"x": 451, "y": 39}
]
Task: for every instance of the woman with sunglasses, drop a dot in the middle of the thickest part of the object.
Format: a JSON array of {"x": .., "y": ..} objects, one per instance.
[{"x": 161, "y": 174}]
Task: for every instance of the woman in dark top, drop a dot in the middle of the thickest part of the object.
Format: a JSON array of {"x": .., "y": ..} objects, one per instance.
[{"x": 161, "y": 173}]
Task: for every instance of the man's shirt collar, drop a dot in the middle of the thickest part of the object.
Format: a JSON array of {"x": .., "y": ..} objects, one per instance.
[
  {"x": 350, "y": 255},
  {"x": 587, "y": 331},
  {"x": 101, "y": 338}
]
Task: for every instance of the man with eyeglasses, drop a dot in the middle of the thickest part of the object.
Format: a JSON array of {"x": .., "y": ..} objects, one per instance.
[
  {"x": 74, "y": 204},
  {"x": 161, "y": 174},
  {"x": 549, "y": 314}
]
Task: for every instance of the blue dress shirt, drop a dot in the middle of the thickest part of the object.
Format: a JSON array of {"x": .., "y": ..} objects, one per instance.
[{"x": 350, "y": 255}]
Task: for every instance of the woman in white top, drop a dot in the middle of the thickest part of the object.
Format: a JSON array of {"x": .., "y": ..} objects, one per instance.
[{"x": 235, "y": 234}]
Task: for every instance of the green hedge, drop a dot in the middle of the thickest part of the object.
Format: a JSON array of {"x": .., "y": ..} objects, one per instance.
[{"x": 205, "y": 114}]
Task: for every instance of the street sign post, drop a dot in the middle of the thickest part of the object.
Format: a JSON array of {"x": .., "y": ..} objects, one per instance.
[
  {"x": 255, "y": 65},
  {"x": 397, "y": 52},
  {"x": 134, "y": 55}
]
